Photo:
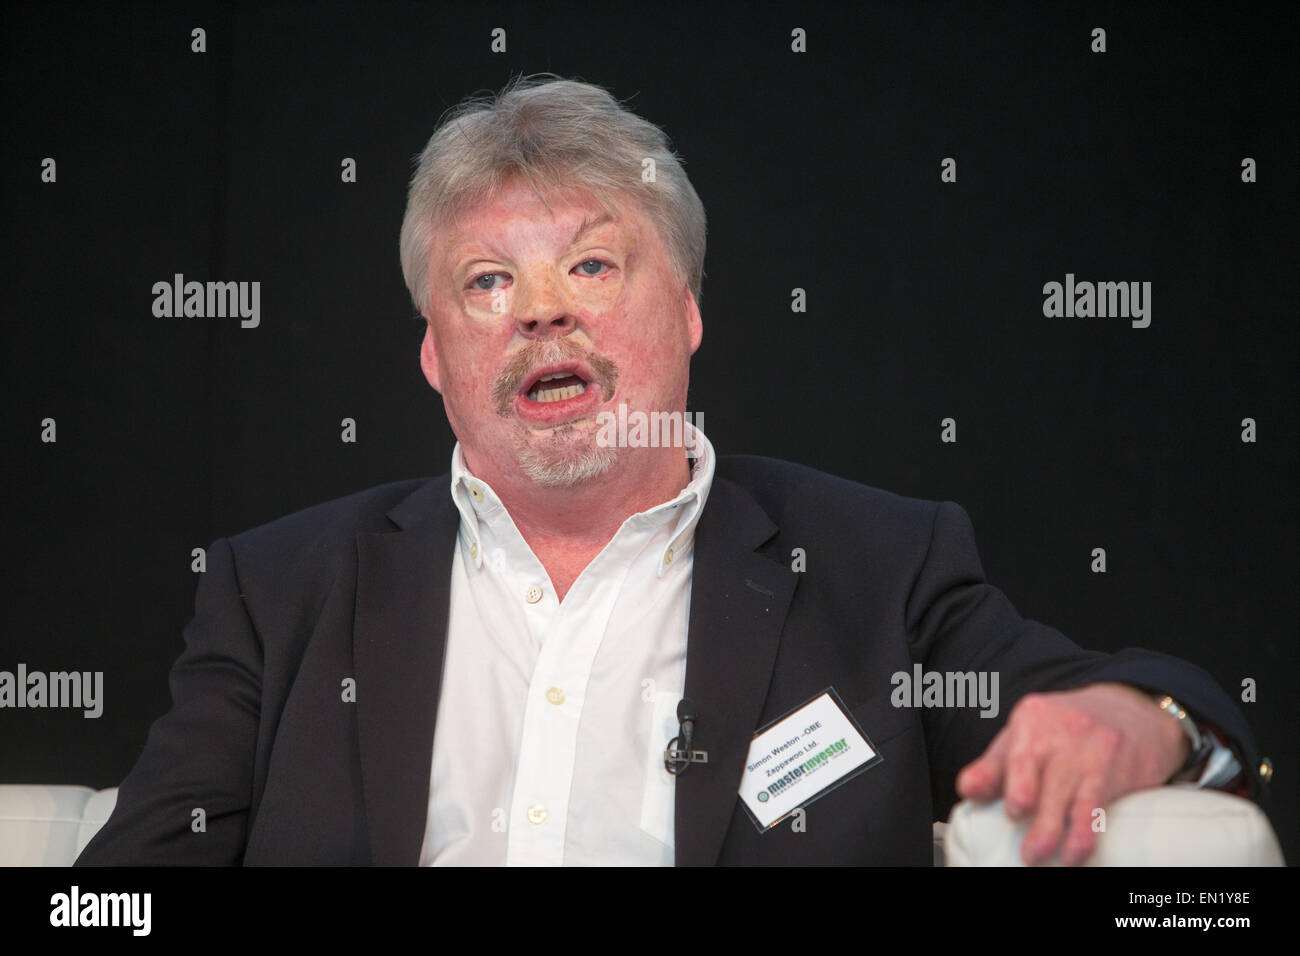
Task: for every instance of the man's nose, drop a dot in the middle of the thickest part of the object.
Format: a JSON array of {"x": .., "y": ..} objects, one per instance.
[{"x": 542, "y": 311}]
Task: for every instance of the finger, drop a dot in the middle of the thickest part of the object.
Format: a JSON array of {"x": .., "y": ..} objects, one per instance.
[
  {"x": 981, "y": 779},
  {"x": 1025, "y": 764},
  {"x": 1060, "y": 781},
  {"x": 1081, "y": 840}
]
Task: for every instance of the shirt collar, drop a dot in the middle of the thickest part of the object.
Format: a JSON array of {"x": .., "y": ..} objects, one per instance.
[{"x": 478, "y": 502}]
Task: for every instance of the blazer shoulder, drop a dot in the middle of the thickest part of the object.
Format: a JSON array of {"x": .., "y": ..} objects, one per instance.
[
  {"x": 796, "y": 496},
  {"x": 328, "y": 529}
]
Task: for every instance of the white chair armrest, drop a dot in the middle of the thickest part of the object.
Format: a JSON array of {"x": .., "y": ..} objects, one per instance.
[
  {"x": 1176, "y": 825},
  {"x": 39, "y": 824}
]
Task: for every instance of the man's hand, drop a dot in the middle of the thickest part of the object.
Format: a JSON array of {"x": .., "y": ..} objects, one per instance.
[{"x": 1062, "y": 755}]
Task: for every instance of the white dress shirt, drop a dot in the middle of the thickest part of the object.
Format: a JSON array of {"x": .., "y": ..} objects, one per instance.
[{"x": 553, "y": 716}]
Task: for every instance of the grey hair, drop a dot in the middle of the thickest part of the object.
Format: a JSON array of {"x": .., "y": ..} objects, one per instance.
[{"x": 563, "y": 133}]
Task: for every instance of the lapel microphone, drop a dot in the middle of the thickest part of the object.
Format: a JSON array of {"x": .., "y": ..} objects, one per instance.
[{"x": 678, "y": 758}]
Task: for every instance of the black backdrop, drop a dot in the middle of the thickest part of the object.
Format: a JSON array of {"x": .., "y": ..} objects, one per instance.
[{"x": 819, "y": 170}]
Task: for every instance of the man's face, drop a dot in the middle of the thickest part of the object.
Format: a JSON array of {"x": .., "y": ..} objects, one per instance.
[{"x": 520, "y": 293}]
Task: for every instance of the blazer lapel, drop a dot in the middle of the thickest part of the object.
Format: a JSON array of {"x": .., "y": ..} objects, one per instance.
[
  {"x": 739, "y": 603},
  {"x": 399, "y": 639}
]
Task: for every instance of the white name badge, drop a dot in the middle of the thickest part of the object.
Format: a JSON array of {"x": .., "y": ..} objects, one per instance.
[{"x": 802, "y": 756}]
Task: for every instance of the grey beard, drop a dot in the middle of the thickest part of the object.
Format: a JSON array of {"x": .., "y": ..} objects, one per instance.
[{"x": 559, "y": 463}]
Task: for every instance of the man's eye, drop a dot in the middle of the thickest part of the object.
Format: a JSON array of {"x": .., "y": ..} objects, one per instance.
[
  {"x": 582, "y": 267},
  {"x": 478, "y": 284}
]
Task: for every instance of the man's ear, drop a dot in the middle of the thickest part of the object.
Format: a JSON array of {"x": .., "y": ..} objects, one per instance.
[
  {"x": 694, "y": 324},
  {"x": 429, "y": 358}
]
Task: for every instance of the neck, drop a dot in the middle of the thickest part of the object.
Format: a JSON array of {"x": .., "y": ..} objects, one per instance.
[{"x": 585, "y": 517}]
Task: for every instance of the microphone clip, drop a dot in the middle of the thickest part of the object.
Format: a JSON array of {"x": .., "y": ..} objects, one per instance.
[
  {"x": 680, "y": 753},
  {"x": 675, "y": 761}
]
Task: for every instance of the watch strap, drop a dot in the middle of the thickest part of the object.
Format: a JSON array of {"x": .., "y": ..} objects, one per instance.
[{"x": 1202, "y": 743}]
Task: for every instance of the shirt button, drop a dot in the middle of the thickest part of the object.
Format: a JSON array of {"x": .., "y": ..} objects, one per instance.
[
  {"x": 473, "y": 550},
  {"x": 668, "y": 556},
  {"x": 537, "y": 814},
  {"x": 476, "y": 492},
  {"x": 555, "y": 696},
  {"x": 533, "y": 594}
]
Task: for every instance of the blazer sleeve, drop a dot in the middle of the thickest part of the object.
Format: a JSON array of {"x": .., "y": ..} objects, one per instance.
[
  {"x": 199, "y": 756},
  {"x": 957, "y": 621}
]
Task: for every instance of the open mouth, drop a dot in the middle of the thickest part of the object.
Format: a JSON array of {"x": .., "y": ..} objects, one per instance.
[
  {"x": 558, "y": 393},
  {"x": 557, "y": 387}
]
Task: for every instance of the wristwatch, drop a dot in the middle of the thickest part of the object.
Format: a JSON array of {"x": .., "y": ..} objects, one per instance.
[{"x": 1202, "y": 743}]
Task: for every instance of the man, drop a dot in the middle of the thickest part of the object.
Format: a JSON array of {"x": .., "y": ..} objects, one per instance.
[{"x": 486, "y": 668}]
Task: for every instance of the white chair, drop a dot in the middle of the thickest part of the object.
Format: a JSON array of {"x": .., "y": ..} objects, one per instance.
[
  {"x": 1176, "y": 825},
  {"x": 49, "y": 825}
]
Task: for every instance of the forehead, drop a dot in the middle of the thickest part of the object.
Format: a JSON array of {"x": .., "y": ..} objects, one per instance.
[{"x": 517, "y": 206}]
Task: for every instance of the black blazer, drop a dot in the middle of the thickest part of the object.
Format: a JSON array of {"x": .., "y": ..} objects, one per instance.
[{"x": 286, "y": 772}]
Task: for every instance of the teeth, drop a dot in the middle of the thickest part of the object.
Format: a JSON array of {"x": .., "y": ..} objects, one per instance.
[
  {"x": 553, "y": 376},
  {"x": 555, "y": 394}
]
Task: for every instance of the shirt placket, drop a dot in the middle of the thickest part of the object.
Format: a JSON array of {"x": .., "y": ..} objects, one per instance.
[{"x": 570, "y": 635}]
